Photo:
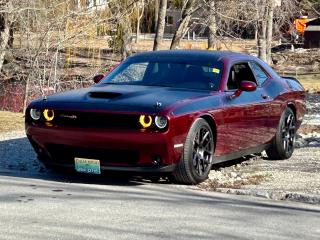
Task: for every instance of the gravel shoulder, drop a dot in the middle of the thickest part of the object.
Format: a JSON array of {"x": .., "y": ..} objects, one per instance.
[{"x": 295, "y": 179}]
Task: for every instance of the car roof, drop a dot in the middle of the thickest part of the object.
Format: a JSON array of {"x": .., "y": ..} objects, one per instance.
[{"x": 192, "y": 55}]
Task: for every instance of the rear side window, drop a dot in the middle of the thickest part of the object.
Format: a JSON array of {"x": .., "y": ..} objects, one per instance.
[{"x": 259, "y": 73}]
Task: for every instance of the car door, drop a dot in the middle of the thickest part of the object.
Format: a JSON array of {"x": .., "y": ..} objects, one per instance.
[
  {"x": 244, "y": 116},
  {"x": 269, "y": 92}
]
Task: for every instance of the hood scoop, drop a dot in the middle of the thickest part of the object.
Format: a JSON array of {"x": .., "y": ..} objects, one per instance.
[{"x": 104, "y": 95}]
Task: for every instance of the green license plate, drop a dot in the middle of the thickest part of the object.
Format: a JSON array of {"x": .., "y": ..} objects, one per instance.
[{"x": 85, "y": 165}]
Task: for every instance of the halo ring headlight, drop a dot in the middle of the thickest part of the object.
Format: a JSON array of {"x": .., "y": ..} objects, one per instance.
[
  {"x": 145, "y": 121},
  {"x": 48, "y": 114},
  {"x": 35, "y": 114},
  {"x": 161, "y": 122}
]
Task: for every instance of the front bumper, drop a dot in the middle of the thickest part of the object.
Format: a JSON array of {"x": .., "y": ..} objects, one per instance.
[{"x": 117, "y": 150}]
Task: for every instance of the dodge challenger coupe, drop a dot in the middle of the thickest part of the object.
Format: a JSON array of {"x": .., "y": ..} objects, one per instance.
[{"x": 174, "y": 112}]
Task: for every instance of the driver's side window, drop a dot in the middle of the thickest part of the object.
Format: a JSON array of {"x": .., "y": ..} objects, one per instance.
[{"x": 239, "y": 72}]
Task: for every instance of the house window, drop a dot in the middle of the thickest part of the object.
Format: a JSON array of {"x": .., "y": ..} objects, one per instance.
[{"x": 169, "y": 20}]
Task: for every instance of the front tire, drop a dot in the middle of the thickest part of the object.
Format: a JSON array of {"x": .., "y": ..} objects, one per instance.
[
  {"x": 282, "y": 145},
  {"x": 197, "y": 158}
]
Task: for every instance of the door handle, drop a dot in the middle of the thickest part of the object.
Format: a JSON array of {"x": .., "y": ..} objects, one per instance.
[{"x": 264, "y": 96}]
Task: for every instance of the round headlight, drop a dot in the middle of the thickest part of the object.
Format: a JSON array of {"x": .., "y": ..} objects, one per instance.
[
  {"x": 161, "y": 122},
  {"x": 145, "y": 121},
  {"x": 35, "y": 114},
  {"x": 48, "y": 114}
]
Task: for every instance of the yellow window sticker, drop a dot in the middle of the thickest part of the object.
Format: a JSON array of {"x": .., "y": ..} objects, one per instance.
[{"x": 216, "y": 70}]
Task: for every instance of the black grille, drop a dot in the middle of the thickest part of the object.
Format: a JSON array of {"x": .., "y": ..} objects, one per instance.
[
  {"x": 96, "y": 120},
  {"x": 66, "y": 154}
]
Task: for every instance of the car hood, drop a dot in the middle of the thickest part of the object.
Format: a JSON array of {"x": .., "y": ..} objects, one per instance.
[{"x": 147, "y": 99}]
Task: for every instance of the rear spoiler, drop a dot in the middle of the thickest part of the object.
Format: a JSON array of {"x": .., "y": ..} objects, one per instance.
[{"x": 289, "y": 79}]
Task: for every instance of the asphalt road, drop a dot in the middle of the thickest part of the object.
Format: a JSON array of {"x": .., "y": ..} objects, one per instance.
[
  {"x": 37, "y": 204},
  {"x": 49, "y": 206}
]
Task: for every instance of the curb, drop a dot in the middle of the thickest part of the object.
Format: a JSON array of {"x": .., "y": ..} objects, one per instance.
[{"x": 289, "y": 196}]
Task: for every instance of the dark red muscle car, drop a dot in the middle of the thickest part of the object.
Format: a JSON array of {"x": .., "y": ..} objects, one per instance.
[{"x": 175, "y": 112}]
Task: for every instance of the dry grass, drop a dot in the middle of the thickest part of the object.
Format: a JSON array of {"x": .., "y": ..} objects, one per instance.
[
  {"x": 10, "y": 121},
  {"x": 310, "y": 82}
]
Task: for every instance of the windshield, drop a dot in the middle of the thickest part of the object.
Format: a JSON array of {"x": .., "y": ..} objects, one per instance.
[{"x": 167, "y": 74}]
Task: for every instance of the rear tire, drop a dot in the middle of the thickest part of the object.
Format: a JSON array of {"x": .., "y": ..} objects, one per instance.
[
  {"x": 282, "y": 145},
  {"x": 197, "y": 157}
]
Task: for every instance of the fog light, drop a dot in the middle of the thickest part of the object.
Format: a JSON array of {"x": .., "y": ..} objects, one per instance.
[
  {"x": 35, "y": 114},
  {"x": 145, "y": 121},
  {"x": 161, "y": 122},
  {"x": 48, "y": 114},
  {"x": 156, "y": 160}
]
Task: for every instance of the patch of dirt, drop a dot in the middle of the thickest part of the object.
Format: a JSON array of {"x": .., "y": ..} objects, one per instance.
[
  {"x": 214, "y": 183},
  {"x": 306, "y": 129}
]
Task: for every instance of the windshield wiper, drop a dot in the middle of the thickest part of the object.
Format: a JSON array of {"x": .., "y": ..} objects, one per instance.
[{"x": 111, "y": 83}]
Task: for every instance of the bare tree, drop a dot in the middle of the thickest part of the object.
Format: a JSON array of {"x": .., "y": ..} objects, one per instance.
[
  {"x": 269, "y": 31},
  {"x": 265, "y": 33},
  {"x": 187, "y": 11},
  {"x": 262, "y": 30},
  {"x": 161, "y": 24},
  {"x": 140, "y": 10},
  {"x": 122, "y": 18},
  {"x": 5, "y": 28},
  {"x": 212, "y": 25},
  {"x": 156, "y": 14}
]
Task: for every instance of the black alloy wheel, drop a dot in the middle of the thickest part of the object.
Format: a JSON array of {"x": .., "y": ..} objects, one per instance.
[
  {"x": 197, "y": 157},
  {"x": 202, "y": 151},
  {"x": 282, "y": 145}
]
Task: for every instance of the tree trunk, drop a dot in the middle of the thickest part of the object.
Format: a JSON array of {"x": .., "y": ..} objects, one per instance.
[
  {"x": 11, "y": 38},
  {"x": 156, "y": 14},
  {"x": 256, "y": 30},
  {"x": 3, "y": 44},
  {"x": 138, "y": 25},
  {"x": 212, "y": 25},
  {"x": 4, "y": 33},
  {"x": 269, "y": 31},
  {"x": 160, "y": 25},
  {"x": 140, "y": 15},
  {"x": 184, "y": 24},
  {"x": 126, "y": 49},
  {"x": 262, "y": 44}
]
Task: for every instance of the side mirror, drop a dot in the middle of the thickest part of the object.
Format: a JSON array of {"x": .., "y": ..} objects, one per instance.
[
  {"x": 98, "y": 78},
  {"x": 248, "y": 86},
  {"x": 245, "y": 86}
]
